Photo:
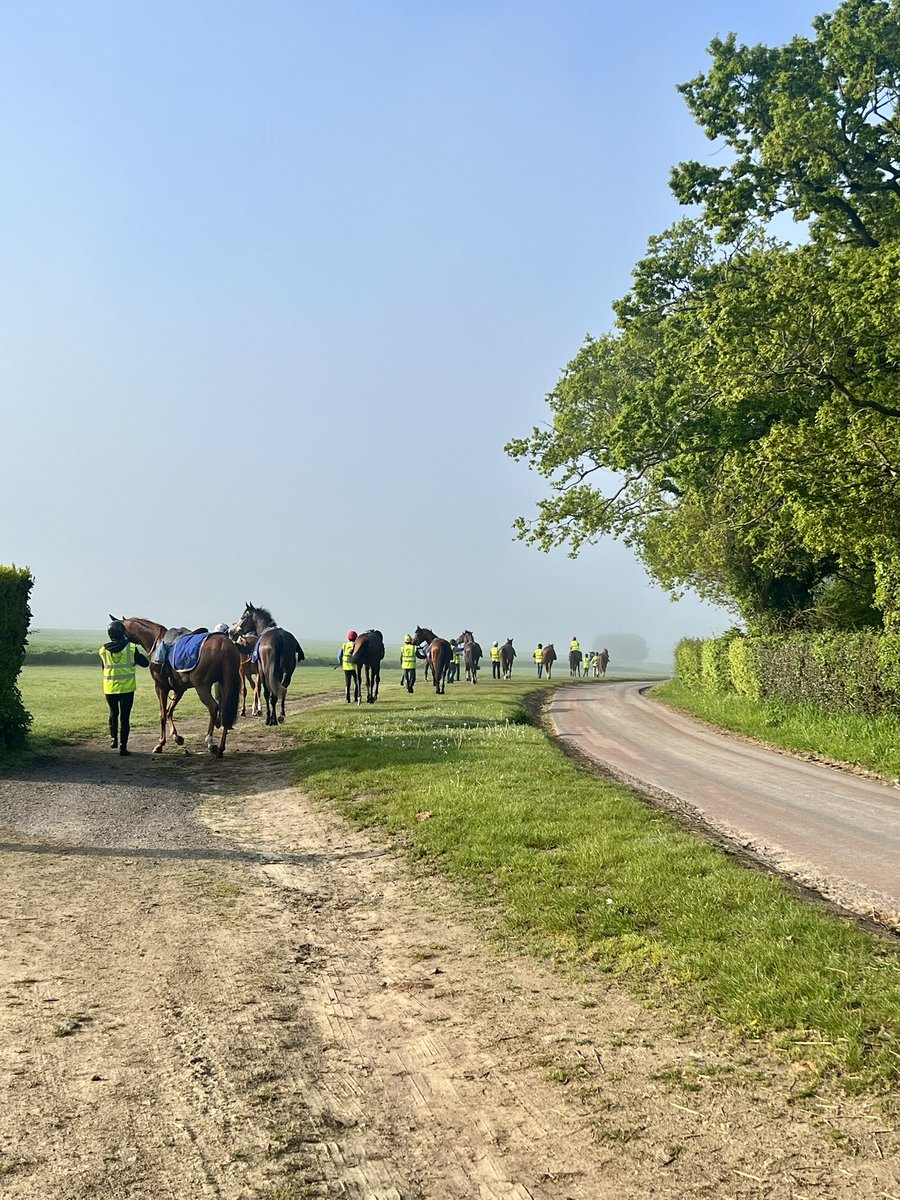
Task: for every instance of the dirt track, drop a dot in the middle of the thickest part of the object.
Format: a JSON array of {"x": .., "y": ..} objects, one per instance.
[{"x": 211, "y": 987}]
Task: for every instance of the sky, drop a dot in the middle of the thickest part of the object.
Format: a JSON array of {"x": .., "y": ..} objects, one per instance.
[{"x": 282, "y": 279}]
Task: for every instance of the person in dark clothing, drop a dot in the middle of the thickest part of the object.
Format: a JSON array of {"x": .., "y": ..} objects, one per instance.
[{"x": 119, "y": 658}]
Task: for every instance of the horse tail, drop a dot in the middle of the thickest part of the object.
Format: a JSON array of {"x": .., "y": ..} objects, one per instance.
[
  {"x": 230, "y": 695},
  {"x": 272, "y": 673}
]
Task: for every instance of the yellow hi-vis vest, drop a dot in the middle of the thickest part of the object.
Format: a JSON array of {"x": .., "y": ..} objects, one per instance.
[
  {"x": 118, "y": 670},
  {"x": 495, "y": 653},
  {"x": 346, "y": 651},
  {"x": 539, "y": 654},
  {"x": 407, "y": 656},
  {"x": 576, "y": 645}
]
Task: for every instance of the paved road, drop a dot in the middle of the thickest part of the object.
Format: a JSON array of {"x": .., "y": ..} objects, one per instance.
[{"x": 832, "y": 830}]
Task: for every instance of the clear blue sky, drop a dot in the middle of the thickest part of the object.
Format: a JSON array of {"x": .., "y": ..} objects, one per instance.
[{"x": 281, "y": 279}]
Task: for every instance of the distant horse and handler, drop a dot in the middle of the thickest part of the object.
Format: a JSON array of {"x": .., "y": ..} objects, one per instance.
[
  {"x": 507, "y": 654},
  {"x": 191, "y": 660},
  {"x": 368, "y": 651},
  {"x": 437, "y": 656},
  {"x": 473, "y": 654}
]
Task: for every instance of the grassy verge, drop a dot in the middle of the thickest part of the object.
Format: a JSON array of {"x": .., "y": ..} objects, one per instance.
[
  {"x": 869, "y": 742},
  {"x": 580, "y": 868},
  {"x": 67, "y": 703}
]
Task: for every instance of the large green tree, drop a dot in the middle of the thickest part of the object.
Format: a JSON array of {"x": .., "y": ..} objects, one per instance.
[{"x": 739, "y": 426}]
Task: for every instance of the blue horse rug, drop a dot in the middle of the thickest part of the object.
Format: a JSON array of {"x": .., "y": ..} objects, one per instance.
[{"x": 185, "y": 654}]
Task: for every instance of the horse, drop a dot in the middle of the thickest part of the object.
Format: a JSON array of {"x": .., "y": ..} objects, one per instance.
[
  {"x": 548, "y": 657},
  {"x": 507, "y": 654},
  {"x": 277, "y": 652},
  {"x": 368, "y": 651},
  {"x": 219, "y": 663},
  {"x": 246, "y": 643},
  {"x": 575, "y": 663},
  {"x": 437, "y": 656},
  {"x": 602, "y": 662},
  {"x": 473, "y": 654}
]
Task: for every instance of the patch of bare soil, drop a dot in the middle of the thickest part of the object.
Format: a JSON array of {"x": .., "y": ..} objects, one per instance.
[{"x": 210, "y": 986}]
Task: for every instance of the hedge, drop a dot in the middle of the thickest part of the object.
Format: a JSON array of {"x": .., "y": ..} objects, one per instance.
[
  {"x": 15, "y": 616},
  {"x": 855, "y": 671}
]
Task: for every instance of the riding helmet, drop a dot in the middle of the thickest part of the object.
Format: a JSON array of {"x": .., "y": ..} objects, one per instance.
[
  {"x": 351, "y": 636},
  {"x": 408, "y": 638}
]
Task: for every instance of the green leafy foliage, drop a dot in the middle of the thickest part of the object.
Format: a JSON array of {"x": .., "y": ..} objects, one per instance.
[
  {"x": 739, "y": 427},
  {"x": 839, "y": 671},
  {"x": 15, "y": 615}
]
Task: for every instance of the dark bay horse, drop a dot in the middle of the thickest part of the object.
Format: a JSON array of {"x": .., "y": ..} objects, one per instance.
[
  {"x": 575, "y": 663},
  {"x": 437, "y": 656},
  {"x": 219, "y": 662},
  {"x": 548, "y": 658},
  {"x": 507, "y": 654},
  {"x": 368, "y": 651},
  {"x": 473, "y": 654},
  {"x": 277, "y": 652}
]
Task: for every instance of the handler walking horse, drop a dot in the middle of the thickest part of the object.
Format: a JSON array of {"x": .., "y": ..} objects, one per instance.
[
  {"x": 437, "y": 656},
  {"x": 219, "y": 662},
  {"x": 473, "y": 654},
  {"x": 368, "y": 651},
  {"x": 549, "y": 658},
  {"x": 277, "y": 652}
]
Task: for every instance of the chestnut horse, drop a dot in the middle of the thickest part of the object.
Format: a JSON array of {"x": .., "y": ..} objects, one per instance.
[
  {"x": 277, "y": 652},
  {"x": 473, "y": 654},
  {"x": 548, "y": 657},
  {"x": 219, "y": 662},
  {"x": 437, "y": 656},
  {"x": 368, "y": 651},
  {"x": 246, "y": 643}
]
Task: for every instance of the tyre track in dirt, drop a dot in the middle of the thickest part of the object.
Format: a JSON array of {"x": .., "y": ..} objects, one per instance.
[{"x": 266, "y": 1003}]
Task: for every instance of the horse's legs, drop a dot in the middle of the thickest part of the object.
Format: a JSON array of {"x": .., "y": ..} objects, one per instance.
[
  {"x": 243, "y": 694},
  {"x": 162, "y": 694},
  {"x": 204, "y": 691}
]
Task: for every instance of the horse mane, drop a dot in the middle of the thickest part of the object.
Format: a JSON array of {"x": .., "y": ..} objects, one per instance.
[{"x": 261, "y": 612}]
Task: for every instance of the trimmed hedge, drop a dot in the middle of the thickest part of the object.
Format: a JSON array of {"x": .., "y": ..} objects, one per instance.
[
  {"x": 15, "y": 616},
  {"x": 854, "y": 671}
]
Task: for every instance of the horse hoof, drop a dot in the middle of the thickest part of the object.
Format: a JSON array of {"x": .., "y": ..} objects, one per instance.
[
  {"x": 179, "y": 741},
  {"x": 281, "y": 720},
  {"x": 156, "y": 750}
]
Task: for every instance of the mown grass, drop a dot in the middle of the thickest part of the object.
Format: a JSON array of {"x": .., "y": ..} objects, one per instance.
[
  {"x": 67, "y": 704},
  {"x": 582, "y": 869},
  {"x": 869, "y": 742}
]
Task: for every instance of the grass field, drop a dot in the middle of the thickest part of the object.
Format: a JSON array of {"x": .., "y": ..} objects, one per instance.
[
  {"x": 870, "y": 742},
  {"x": 572, "y": 866}
]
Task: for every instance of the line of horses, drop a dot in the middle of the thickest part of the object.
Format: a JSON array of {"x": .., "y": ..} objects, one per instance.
[
  {"x": 257, "y": 653},
  {"x": 256, "y": 647}
]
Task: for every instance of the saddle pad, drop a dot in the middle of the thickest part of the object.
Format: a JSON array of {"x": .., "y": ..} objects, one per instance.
[{"x": 186, "y": 651}]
